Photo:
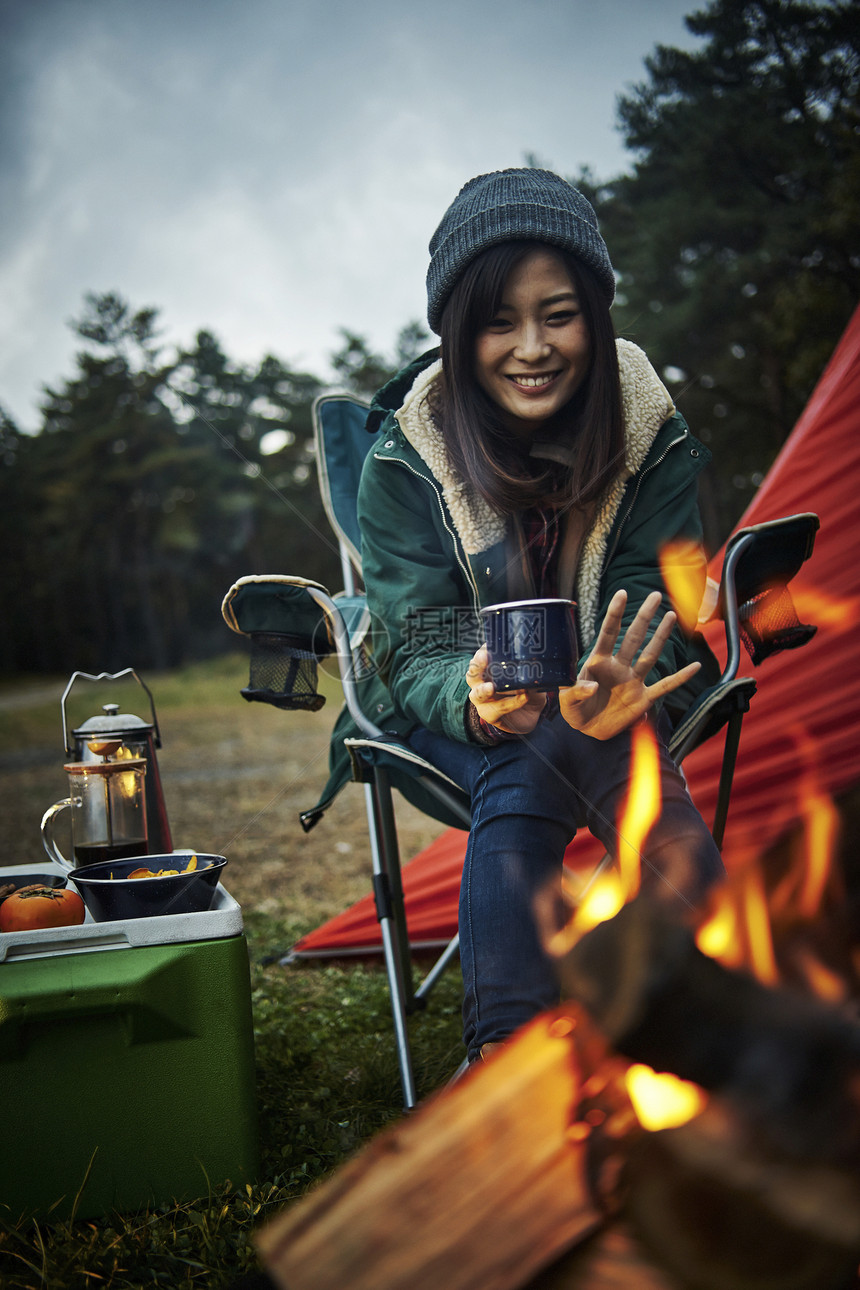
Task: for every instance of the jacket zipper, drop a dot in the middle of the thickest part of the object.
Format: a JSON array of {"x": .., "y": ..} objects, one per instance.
[{"x": 642, "y": 474}]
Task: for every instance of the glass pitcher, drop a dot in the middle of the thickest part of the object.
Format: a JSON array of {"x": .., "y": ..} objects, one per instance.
[{"x": 108, "y": 813}]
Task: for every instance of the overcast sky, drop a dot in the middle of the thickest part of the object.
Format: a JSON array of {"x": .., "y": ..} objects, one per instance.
[{"x": 273, "y": 169}]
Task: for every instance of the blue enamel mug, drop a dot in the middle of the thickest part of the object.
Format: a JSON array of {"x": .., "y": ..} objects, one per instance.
[{"x": 531, "y": 643}]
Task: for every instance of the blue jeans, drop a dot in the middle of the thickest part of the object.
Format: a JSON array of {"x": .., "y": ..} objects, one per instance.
[{"x": 529, "y": 796}]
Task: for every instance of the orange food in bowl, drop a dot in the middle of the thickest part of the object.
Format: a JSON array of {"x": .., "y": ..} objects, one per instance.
[{"x": 163, "y": 873}]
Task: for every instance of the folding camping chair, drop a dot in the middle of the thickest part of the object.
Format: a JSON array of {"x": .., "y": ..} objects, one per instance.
[{"x": 293, "y": 623}]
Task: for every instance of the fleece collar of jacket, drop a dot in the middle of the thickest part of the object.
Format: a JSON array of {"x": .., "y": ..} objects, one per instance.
[{"x": 646, "y": 405}]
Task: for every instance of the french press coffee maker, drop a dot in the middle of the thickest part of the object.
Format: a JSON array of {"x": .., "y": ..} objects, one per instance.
[
  {"x": 114, "y": 783},
  {"x": 107, "y": 806}
]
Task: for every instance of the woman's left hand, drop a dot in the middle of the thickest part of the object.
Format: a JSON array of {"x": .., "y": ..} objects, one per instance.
[{"x": 622, "y": 698}]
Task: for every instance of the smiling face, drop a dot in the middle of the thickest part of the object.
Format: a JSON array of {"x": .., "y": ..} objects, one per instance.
[{"x": 534, "y": 354}]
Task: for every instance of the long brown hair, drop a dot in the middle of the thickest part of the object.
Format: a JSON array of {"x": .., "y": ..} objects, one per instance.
[{"x": 479, "y": 444}]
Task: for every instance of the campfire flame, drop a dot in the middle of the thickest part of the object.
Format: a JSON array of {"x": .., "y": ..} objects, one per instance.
[
  {"x": 738, "y": 929},
  {"x": 826, "y": 611},
  {"x": 641, "y": 808},
  {"x": 718, "y": 936},
  {"x": 662, "y": 1101},
  {"x": 822, "y": 980},
  {"x": 763, "y": 959},
  {"x": 802, "y": 891},
  {"x": 613, "y": 887},
  {"x": 683, "y": 571}
]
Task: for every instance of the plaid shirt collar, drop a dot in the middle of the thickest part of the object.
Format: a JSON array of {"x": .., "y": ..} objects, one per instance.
[{"x": 541, "y": 529}]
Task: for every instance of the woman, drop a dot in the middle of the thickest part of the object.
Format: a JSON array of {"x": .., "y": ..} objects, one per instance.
[{"x": 533, "y": 456}]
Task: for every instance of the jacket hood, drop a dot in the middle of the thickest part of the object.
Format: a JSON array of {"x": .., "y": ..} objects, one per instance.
[{"x": 390, "y": 396}]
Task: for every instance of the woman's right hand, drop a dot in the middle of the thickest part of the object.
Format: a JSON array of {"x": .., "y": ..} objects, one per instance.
[
  {"x": 517, "y": 712},
  {"x": 620, "y": 696}
]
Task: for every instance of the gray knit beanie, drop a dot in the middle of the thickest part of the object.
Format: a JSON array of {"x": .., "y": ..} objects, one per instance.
[{"x": 506, "y": 206}]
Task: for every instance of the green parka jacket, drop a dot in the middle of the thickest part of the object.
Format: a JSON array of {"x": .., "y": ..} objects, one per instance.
[{"x": 434, "y": 553}]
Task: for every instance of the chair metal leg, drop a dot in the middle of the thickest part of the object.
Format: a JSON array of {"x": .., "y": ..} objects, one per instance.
[
  {"x": 459, "y": 1072},
  {"x": 727, "y": 771},
  {"x": 390, "y": 855},
  {"x": 450, "y": 952},
  {"x": 389, "y": 903}
]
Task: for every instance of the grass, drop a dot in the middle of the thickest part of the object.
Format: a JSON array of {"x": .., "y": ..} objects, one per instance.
[{"x": 326, "y": 1071}]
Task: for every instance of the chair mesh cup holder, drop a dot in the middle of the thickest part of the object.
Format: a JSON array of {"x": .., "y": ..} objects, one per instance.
[
  {"x": 768, "y": 623},
  {"x": 283, "y": 673}
]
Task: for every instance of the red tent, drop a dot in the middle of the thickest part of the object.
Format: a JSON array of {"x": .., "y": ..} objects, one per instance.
[{"x": 804, "y": 723}]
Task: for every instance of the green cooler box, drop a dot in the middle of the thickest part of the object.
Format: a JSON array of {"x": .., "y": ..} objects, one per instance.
[{"x": 126, "y": 1061}]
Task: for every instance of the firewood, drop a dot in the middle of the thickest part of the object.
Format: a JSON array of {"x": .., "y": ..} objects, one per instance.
[
  {"x": 482, "y": 1186},
  {"x": 611, "y": 1259}
]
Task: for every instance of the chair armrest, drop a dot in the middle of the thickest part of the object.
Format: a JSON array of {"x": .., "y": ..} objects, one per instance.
[
  {"x": 754, "y": 600},
  {"x": 293, "y": 622},
  {"x": 710, "y": 713},
  {"x": 279, "y": 603}
]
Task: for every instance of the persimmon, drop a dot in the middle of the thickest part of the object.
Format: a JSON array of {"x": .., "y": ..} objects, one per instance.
[{"x": 35, "y": 906}]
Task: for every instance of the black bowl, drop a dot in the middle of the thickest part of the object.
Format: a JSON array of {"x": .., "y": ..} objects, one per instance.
[
  {"x": 109, "y": 893},
  {"x": 19, "y": 880}
]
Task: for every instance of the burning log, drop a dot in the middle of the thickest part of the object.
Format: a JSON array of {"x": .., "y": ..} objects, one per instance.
[
  {"x": 790, "y": 1063},
  {"x": 483, "y": 1186},
  {"x": 720, "y": 1213}
]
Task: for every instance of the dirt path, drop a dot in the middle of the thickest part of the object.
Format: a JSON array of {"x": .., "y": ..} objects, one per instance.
[{"x": 31, "y": 696}]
